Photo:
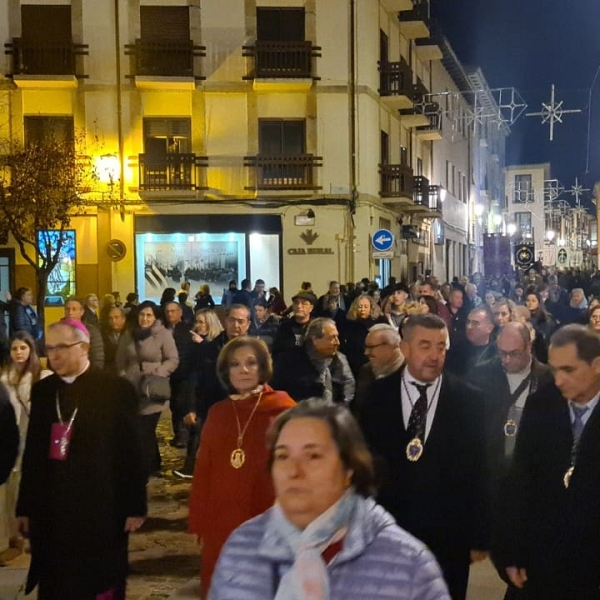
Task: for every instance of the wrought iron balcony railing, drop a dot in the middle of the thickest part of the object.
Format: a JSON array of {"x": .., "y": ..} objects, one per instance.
[
  {"x": 421, "y": 191},
  {"x": 419, "y": 12},
  {"x": 164, "y": 59},
  {"x": 171, "y": 172},
  {"x": 282, "y": 60},
  {"x": 45, "y": 58},
  {"x": 396, "y": 181},
  {"x": 284, "y": 172},
  {"x": 395, "y": 79}
]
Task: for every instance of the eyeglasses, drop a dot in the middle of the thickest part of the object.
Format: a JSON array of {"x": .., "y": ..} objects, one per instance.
[
  {"x": 373, "y": 346},
  {"x": 62, "y": 347},
  {"x": 513, "y": 354}
]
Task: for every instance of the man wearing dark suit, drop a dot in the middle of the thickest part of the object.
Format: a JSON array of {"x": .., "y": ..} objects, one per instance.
[
  {"x": 507, "y": 384},
  {"x": 425, "y": 430},
  {"x": 478, "y": 348},
  {"x": 549, "y": 542}
]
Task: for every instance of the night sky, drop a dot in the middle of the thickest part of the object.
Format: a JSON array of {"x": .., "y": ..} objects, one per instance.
[{"x": 530, "y": 45}]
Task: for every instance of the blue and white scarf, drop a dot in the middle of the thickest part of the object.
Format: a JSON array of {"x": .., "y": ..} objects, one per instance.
[{"x": 308, "y": 578}]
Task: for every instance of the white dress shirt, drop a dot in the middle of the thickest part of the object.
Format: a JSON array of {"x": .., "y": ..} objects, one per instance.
[{"x": 410, "y": 394}]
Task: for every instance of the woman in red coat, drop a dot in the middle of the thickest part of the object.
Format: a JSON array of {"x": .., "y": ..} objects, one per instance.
[{"x": 231, "y": 481}]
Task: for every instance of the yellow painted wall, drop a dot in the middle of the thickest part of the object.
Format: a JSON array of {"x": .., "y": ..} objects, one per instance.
[{"x": 47, "y": 102}]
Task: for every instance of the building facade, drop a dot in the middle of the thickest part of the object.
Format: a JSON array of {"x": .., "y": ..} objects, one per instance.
[{"x": 231, "y": 139}]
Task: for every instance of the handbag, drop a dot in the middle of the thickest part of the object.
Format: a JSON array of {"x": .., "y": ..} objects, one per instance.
[{"x": 153, "y": 388}]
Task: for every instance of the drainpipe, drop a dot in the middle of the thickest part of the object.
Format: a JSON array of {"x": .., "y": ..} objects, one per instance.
[
  {"x": 119, "y": 110},
  {"x": 353, "y": 191}
]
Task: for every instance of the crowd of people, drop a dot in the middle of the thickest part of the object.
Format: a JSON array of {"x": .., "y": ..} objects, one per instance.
[{"x": 364, "y": 443}]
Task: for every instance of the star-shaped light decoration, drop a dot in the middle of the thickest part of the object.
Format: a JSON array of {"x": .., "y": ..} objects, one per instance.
[
  {"x": 577, "y": 191},
  {"x": 552, "y": 112}
]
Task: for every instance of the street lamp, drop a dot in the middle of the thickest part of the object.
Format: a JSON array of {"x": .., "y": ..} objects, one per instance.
[
  {"x": 478, "y": 210},
  {"x": 550, "y": 235},
  {"x": 108, "y": 169},
  {"x": 511, "y": 229}
]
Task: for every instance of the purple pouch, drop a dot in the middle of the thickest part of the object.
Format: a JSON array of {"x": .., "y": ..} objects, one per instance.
[{"x": 60, "y": 438}]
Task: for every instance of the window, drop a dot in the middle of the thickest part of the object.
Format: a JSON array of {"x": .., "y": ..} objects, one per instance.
[
  {"x": 403, "y": 156},
  {"x": 385, "y": 149},
  {"x": 281, "y": 137},
  {"x": 383, "y": 47},
  {"x": 39, "y": 129},
  {"x": 453, "y": 188},
  {"x": 164, "y": 23},
  {"x": 61, "y": 281},
  {"x": 280, "y": 24},
  {"x": 447, "y": 174},
  {"x": 419, "y": 167},
  {"x": 282, "y": 154},
  {"x": 162, "y": 136},
  {"x": 167, "y": 162},
  {"x": 523, "y": 189},
  {"x": 164, "y": 48},
  {"x": 465, "y": 190},
  {"x": 523, "y": 222}
]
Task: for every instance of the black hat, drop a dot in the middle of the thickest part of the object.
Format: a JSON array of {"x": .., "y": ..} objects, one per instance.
[
  {"x": 401, "y": 287},
  {"x": 305, "y": 296}
]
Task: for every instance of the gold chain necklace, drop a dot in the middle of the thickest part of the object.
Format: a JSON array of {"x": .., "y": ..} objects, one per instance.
[{"x": 238, "y": 456}]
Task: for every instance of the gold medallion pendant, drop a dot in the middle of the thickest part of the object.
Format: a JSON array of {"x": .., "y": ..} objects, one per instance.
[
  {"x": 238, "y": 458},
  {"x": 510, "y": 428},
  {"x": 414, "y": 450},
  {"x": 567, "y": 477}
]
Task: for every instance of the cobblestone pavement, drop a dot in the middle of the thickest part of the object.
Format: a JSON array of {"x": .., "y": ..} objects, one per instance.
[{"x": 163, "y": 557}]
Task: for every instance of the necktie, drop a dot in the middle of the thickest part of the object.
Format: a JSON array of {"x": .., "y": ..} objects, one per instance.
[
  {"x": 418, "y": 415},
  {"x": 578, "y": 425}
]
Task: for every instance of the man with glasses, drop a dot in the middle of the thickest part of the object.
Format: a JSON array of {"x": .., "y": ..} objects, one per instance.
[
  {"x": 507, "y": 384},
  {"x": 291, "y": 332},
  {"x": 83, "y": 486},
  {"x": 382, "y": 348},
  {"x": 548, "y": 541}
]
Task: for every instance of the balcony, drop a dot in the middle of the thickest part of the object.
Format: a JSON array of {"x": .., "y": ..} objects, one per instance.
[
  {"x": 433, "y": 130},
  {"x": 396, "y": 185},
  {"x": 396, "y": 87},
  {"x": 48, "y": 63},
  {"x": 164, "y": 65},
  {"x": 171, "y": 172},
  {"x": 394, "y": 6},
  {"x": 282, "y": 66},
  {"x": 283, "y": 173},
  {"x": 427, "y": 199},
  {"x": 414, "y": 23},
  {"x": 428, "y": 48}
]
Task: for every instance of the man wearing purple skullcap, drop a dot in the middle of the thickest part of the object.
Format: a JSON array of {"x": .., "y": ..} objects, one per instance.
[{"x": 83, "y": 485}]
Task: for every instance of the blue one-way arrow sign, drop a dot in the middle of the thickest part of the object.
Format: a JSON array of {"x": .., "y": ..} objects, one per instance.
[{"x": 382, "y": 240}]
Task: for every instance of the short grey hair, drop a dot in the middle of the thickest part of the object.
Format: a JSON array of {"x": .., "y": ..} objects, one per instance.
[
  {"x": 389, "y": 332},
  {"x": 316, "y": 328}
]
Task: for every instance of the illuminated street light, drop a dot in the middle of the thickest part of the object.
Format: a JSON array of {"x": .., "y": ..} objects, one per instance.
[
  {"x": 550, "y": 235},
  {"x": 478, "y": 210},
  {"x": 108, "y": 168},
  {"x": 511, "y": 229}
]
